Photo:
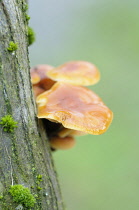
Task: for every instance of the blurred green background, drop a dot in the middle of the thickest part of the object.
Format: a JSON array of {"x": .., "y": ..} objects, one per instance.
[{"x": 101, "y": 172}]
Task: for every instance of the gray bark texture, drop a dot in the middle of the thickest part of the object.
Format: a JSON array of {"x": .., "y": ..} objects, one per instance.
[{"x": 25, "y": 153}]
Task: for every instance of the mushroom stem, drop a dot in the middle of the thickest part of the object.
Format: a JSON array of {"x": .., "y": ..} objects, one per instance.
[
  {"x": 70, "y": 132},
  {"x": 77, "y": 133},
  {"x": 65, "y": 132}
]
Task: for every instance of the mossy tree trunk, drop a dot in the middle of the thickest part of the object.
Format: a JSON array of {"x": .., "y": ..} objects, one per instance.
[{"x": 24, "y": 154}]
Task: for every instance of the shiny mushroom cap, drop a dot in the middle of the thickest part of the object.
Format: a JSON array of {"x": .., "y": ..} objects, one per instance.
[
  {"x": 75, "y": 72},
  {"x": 75, "y": 107},
  {"x": 39, "y": 76}
]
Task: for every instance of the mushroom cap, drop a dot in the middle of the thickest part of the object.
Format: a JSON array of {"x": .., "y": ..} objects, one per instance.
[
  {"x": 37, "y": 90},
  {"x": 35, "y": 78},
  {"x": 62, "y": 143},
  {"x": 75, "y": 72},
  {"x": 75, "y": 107},
  {"x": 39, "y": 76}
]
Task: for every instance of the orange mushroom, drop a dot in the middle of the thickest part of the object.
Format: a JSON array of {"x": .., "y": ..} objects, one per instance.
[
  {"x": 39, "y": 76},
  {"x": 39, "y": 79},
  {"x": 62, "y": 143},
  {"x": 75, "y": 107},
  {"x": 76, "y": 73},
  {"x": 63, "y": 132},
  {"x": 76, "y": 110},
  {"x": 35, "y": 78},
  {"x": 37, "y": 90},
  {"x": 57, "y": 141}
]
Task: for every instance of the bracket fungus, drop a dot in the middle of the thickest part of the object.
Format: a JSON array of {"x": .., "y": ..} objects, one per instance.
[
  {"x": 62, "y": 143},
  {"x": 39, "y": 79},
  {"x": 75, "y": 73},
  {"x": 77, "y": 110},
  {"x": 75, "y": 107}
]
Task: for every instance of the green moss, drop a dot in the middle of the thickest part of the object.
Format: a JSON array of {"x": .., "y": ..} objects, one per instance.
[
  {"x": 25, "y": 7},
  {"x": 39, "y": 178},
  {"x": 39, "y": 188},
  {"x": 33, "y": 169},
  {"x": 1, "y": 197},
  {"x": 12, "y": 46},
  {"x": 22, "y": 195},
  {"x": 31, "y": 36},
  {"x": 8, "y": 123},
  {"x": 27, "y": 17}
]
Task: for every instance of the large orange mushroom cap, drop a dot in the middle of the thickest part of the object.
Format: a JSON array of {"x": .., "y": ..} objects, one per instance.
[
  {"x": 75, "y": 72},
  {"x": 75, "y": 107}
]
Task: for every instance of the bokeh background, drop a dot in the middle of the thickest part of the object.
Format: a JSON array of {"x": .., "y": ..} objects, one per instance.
[{"x": 101, "y": 172}]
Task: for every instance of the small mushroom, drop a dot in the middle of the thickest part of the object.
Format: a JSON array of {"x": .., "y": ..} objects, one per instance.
[
  {"x": 75, "y": 107},
  {"x": 37, "y": 90},
  {"x": 35, "y": 78},
  {"x": 76, "y": 73},
  {"x": 39, "y": 76},
  {"x": 62, "y": 143}
]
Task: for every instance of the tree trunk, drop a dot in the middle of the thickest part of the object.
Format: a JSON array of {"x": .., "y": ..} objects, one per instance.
[{"x": 25, "y": 156}]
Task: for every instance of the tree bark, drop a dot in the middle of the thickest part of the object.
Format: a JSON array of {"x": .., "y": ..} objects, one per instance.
[{"x": 24, "y": 153}]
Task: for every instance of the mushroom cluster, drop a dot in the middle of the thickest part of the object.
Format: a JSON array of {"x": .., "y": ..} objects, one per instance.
[{"x": 65, "y": 105}]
